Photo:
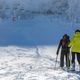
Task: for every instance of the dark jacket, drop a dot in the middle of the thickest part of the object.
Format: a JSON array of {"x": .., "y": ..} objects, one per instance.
[{"x": 63, "y": 44}]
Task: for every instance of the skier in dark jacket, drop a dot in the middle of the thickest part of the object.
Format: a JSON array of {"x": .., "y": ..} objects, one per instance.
[{"x": 65, "y": 50}]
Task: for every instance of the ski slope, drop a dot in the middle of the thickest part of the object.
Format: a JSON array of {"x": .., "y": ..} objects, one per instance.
[{"x": 36, "y": 63}]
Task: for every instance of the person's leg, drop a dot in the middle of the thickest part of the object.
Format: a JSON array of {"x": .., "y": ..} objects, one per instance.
[
  {"x": 73, "y": 60},
  {"x": 78, "y": 59},
  {"x": 62, "y": 59},
  {"x": 67, "y": 60}
]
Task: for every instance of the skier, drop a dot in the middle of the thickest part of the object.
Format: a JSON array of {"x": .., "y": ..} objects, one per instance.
[
  {"x": 75, "y": 48},
  {"x": 63, "y": 45}
]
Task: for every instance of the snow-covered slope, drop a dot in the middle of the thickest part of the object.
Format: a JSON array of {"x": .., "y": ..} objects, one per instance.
[
  {"x": 36, "y": 63},
  {"x": 20, "y": 8},
  {"x": 34, "y": 5}
]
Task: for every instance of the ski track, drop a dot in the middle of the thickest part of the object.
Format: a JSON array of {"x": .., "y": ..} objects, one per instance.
[{"x": 25, "y": 64}]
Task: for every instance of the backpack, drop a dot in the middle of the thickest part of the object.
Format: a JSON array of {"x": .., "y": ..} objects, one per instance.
[{"x": 65, "y": 42}]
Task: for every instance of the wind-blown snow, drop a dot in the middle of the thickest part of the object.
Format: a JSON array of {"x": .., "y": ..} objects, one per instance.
[{"x": 36, "y": 63}]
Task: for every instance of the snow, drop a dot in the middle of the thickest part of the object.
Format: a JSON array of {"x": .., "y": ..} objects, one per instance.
[
  {"x": 30, "y": 31},
  {"x": 20, "y": 63}
]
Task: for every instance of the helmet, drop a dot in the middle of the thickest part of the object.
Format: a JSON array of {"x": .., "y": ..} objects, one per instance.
[
  {"x": 77, "y": 30},
  {"x": 65, "y": 36}
]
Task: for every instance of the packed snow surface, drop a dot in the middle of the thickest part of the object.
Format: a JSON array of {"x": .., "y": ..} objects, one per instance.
[{"x": 32, "y": 63}]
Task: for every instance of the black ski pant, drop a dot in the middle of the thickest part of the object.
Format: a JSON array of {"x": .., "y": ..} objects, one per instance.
[
  {"x": 73, "y": 57},
  {"x": 64, "y": 54}
]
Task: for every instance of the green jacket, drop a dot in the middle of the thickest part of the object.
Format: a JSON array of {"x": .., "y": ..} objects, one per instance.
[{"x": 75, "y": 43}]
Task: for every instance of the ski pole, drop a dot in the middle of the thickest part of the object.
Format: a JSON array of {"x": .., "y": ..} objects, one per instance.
[{"x": 56, "y": 61}]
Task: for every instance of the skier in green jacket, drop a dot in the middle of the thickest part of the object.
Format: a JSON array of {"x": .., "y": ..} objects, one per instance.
[{"x": 75, "y": 48}]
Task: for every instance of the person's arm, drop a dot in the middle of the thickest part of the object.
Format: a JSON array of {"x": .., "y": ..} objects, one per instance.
[
  {"x": 59, "y": 47},
  {"x": 71, "y": 42}
]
